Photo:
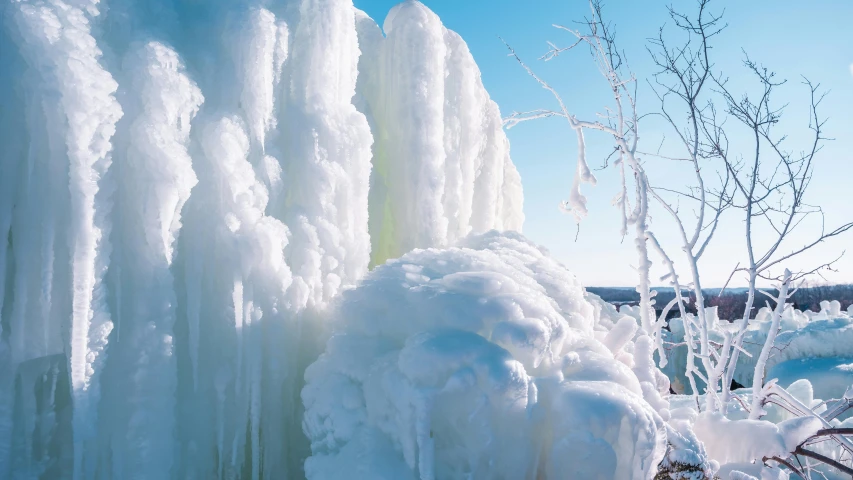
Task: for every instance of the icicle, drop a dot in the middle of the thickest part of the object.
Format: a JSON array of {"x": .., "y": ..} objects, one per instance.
[
  {"x": 51, "y": 32},
  {"x": 160, "y": 105},
  {"x": 259, "y": 63},
  {"x": 416, "y": 142},
  {"x": 215, "y": 238}
]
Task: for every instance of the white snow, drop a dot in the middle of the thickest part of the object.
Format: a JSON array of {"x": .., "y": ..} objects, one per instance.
[
  {"x": 745, "y": 441},
  {"x": 809, "y": 360}
]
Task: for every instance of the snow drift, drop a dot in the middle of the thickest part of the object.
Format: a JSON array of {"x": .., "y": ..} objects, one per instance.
[
  {"x": 474, "y": 362},
  {"x": 184, "y": 187}
]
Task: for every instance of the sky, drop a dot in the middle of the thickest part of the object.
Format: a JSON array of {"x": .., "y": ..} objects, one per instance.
[{"x": 791, "y": 37}]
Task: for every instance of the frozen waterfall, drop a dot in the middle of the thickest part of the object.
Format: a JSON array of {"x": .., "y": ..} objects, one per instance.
[{"x": 184, "y": 188}]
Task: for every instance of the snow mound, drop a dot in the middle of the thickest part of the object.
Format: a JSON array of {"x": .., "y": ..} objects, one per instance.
[
  {"x": 477, "y": 361},
  {"x": 745, "y": 441}
]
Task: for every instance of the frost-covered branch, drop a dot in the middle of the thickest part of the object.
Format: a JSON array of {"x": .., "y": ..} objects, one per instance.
[
  {"x": 576, "y": 202},
  {"x": 771, "y": 188},
  {"x": 688, "y": 326},
  {"x": 681, "y": 85},
  {"x": 758, "y": 377},
  {"x": 622, "y": 124}
]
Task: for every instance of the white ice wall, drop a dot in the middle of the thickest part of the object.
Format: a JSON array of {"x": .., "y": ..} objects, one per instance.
[
  {"x": 61, "y": 215},
  {"x": 441, "y": 158},
  {"x": 185, "y": 187}
]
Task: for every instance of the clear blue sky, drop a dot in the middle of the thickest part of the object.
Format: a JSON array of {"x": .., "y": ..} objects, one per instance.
[{"x": 792, "y": 37}]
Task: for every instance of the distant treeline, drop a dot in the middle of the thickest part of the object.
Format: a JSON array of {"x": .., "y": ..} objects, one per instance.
[{"x": 730, "y": 303}]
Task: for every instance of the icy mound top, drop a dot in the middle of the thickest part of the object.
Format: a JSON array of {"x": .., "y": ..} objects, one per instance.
[
  {"x": 474, "y": 362},
  {"x": 831, "y": 337}
]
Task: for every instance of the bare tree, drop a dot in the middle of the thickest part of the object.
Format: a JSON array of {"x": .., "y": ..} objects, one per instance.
[
  {"x": 682, "y": 85},
  {"x": 621, "y": 123},
  {"x": 770, "y": 187}
]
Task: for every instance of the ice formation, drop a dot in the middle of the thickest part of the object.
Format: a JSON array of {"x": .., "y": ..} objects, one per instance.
[
  {"x": 748, "y": 441},
  {"x": 823, "y": 337},
  {"x": 827, "y": 376},
  {"x": 192, "y": 197},
  {"x": 441, "y": 171},
  {"x": 811, "y": 362},
  {"x": 184, "y": 188},
  {"x": 475, "y": 362}
]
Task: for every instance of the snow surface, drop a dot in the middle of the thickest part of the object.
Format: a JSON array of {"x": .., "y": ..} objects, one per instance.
[
  {"x": 474, "y": 362},
  {"x": 184, "y": 189},
  {"x": 747, "y": 441},
  {"x": 810, "y": 360},
  {"x": 737, "y": 444}
]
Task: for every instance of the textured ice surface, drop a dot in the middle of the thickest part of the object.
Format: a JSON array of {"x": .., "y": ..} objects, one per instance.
[
  {"x": 441, "y": 170},
  {"x": 184, "y": 188},
  {"x": 827, "y": 377},
  {"x": 474, "y": 362}
]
